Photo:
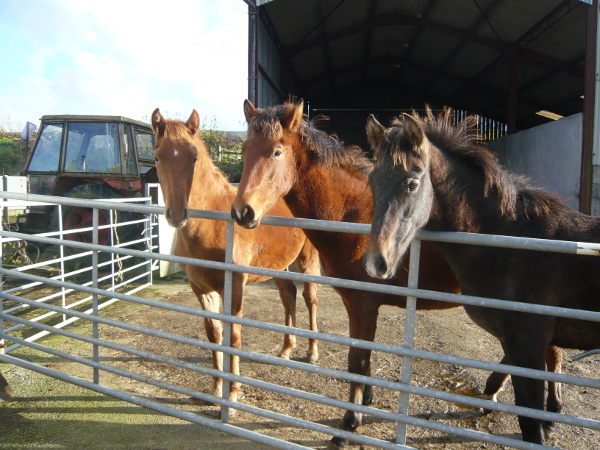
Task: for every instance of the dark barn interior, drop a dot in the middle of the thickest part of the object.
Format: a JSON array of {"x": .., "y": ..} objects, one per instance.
[{"x": 517, "y": 64}]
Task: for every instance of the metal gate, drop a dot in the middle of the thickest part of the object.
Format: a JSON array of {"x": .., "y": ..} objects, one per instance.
[{"x": 100, "y": 290}]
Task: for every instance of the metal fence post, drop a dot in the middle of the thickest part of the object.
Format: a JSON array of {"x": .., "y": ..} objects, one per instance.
[
  {"x": 227, "y": 290},
  {"x": 113, "y": 233},
  {"x": 2, "y": 346},
  {"x": 148, "y": 231},
  {"x": 409, "y": 334},
  {"x": 96, "y": 355},
  {"x": 61, "y": 253}
]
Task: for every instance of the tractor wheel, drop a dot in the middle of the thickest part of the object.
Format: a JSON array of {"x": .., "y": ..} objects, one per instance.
[{"x": 75, "y": 217}]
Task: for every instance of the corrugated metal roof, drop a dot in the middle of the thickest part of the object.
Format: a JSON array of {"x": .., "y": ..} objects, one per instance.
[{"x": 442, "y": 52}]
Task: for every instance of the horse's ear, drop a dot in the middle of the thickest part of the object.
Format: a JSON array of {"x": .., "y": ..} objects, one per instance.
[
  {"x": 249, "y": 111},
  {"x": 413, "y": 131},
  {"x": 158, "y": 122},
  {"x": 291, "y": 120},
  {"x": 375, "y": 131},
  {"x": 193, "y": 123}
]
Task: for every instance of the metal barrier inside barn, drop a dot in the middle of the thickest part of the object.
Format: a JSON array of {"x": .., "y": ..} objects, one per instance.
[{"x": 15, "y": 319}]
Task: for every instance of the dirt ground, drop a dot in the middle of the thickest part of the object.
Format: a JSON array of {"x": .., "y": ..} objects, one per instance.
[{"x": 449, "y": 331}]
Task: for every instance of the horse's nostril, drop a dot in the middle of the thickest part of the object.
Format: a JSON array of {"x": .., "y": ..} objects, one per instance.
[
  {"x": 381, "y": 266},
  {"x": 247, "y": 214},
  {"x": 168, "y": 214}
]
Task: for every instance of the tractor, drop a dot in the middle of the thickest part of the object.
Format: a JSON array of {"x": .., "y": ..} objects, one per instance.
[{"x": 99, "y": 157}]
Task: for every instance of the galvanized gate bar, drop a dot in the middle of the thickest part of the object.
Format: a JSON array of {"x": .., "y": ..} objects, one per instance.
[
  {"x": 146, "y": 403},
  {"x": 313, "y": 397},
  {"x": 373, "y": 287},
  {"x": 404, "y": 387},
  {"x": 571, "y": 247},
  {"x": 423, "y": 423},
  {"x": 226, "y": 402},
  {"x": 486, "y": 404},
  {"x": 420, "y": 354}
]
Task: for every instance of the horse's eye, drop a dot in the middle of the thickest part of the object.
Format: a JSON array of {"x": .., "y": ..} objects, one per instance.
[
  {"x": 156, "y": 159},
  {"x": 413, "y": 186},
  {"x": 195, "y": 159},
  {"x": 277, "y": 154}
]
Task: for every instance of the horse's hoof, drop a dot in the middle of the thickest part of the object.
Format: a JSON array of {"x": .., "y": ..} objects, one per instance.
[
  {"x": 285, "y": 354},
  {"x": 312, "y": 358},
  {"x": 491, "y": 397},
  {"x": 337, "y": 443},
  {"x": 232, "y": 413},
  {"x": 547, "y": 429}
]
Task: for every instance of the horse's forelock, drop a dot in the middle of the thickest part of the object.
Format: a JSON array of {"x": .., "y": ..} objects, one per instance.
[
  {"x": 267, "y": 121},
  {"x": 176, "y": 130},
  {"x": 396, "y": 150}
]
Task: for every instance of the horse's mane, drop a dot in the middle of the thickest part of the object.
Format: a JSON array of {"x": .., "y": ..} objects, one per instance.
[
  {"x": 327, "y": 149},
  {"x": 176, "y": 130},
  {"x": 462, "y": 142}
]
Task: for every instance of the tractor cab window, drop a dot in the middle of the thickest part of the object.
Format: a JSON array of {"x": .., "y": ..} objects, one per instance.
[
  {"x": 93, "y": 148},
  {"x": 130, "y": 160},
  {"x": 145, "y": 145},
  {"x": 47, "y": 151}
]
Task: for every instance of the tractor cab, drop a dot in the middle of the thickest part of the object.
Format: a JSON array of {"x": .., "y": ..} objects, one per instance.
[{"x": 88, "y": 157}]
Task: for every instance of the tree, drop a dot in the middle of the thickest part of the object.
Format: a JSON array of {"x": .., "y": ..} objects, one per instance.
[
  {"x": 12, "y": 152},
  {"x": 228, "y": 143}
]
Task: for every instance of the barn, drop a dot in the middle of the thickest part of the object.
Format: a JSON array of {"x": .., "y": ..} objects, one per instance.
[{"x": 528, "y": 69}]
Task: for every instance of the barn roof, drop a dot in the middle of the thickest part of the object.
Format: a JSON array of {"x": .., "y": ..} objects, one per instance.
[{"x": 457, "y": 53}]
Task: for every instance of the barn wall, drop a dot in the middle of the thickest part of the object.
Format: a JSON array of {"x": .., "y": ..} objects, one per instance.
[
  {"x": 269, "y": 60},
  {"x": 549, "y": 154},
  {"x": 276, "y": 80}
]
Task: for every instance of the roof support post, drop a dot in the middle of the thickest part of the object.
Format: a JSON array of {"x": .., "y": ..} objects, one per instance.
[
  {"x": 252, "y": 51},
  {"x": 512, "y": 90},
  {"x": 591, "y": 106}
]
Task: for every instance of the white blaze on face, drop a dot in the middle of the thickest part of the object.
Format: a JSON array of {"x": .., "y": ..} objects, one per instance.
[{"x": 175, "y": 152}]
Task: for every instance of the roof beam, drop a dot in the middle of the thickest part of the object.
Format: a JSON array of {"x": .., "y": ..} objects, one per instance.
[
  {"x": 404, "y": 19},
  {"x": 416, "y": 35},
  {"x": 393, "y": 60},
  {"x": 457, "y": 48},
  {"x": 369, "y": 39},
  {"x": 560, "y": 11}
]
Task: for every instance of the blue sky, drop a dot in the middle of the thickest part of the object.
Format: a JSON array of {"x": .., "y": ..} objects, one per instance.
[{"x": 123, "y": 57}]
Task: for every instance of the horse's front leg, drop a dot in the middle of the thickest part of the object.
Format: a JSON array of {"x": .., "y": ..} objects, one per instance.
[
  {"x": 497, "y": 380},
  {"x": 308, "y": 262},
  {"x": 554, "y": 401},
  {"x": 363, "y": 324},
  {"x": 495, "y": 383},
  {"x": 287, "y": 293},
  {"x": 214, "y": 332},
  {"x": 524, "y": 351},
  {"x": 237, "y": 307},
  {"x": 309, "y": 293}
]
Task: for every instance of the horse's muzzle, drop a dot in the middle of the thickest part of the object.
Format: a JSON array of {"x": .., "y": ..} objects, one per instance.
[
  {"x": 376, "y": 265},
  {"x": 245, "y": 218},
  {"x": 174, "y": 221}
]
